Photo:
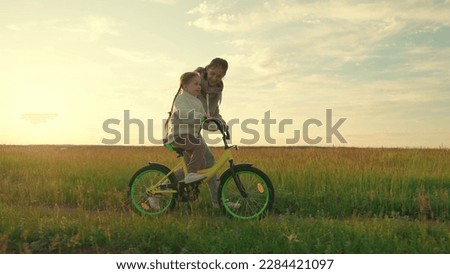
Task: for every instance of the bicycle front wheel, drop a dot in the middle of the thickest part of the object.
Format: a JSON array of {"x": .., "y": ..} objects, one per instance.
[
  {"x": 150, "y": 193},
  {"x": 258, "y": 196}
]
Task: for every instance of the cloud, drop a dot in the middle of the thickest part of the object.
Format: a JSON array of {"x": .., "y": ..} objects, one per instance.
[
  {"x": 345, "y": 30},
  {"x": 92, "y": 27},
  {"x": 221, "y": 16},
  {"x": 160, "y": 60},
  {"x": 164, "y": 2},
  {"x": 38, "y": 118},
  {"x": 291, "y": 39},
  {"x": 428, "y": 60},
  {"x": 218, "y": 17},
  {"x": 13, "y": 27},
  {"x": 132, "y": 56}
]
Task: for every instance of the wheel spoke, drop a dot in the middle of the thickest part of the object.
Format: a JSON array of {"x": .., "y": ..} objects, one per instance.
[
  {"x": 259, "y": 189},
  {"x": 153, "y": 202}
]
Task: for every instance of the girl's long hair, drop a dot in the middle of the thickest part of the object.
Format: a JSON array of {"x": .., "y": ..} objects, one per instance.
[{"x": 185, "y": 78}]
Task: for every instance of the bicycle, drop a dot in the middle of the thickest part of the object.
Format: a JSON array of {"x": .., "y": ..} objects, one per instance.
[{"x": 245, "y": 192}]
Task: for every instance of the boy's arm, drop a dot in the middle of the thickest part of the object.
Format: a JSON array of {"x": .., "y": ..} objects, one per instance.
[{"x": 217, "y": 115}]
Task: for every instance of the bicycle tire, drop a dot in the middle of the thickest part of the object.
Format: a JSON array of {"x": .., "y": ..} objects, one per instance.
[
  {"x": 143, "y": 202},
  {"x": 261, "y": 194}
]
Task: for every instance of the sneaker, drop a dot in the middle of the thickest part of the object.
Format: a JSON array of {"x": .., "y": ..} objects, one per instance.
[
  {"x": 229, "y": 204},
  {"x": 193, "y": 177},
  {"x": 233, "y": 205},
  {"x": 153, "y": 202}
]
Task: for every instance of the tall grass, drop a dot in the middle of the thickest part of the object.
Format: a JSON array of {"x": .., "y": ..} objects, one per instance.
[{"x": 72, "y": 199}]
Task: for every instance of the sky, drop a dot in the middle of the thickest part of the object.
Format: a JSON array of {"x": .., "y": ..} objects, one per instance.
[{"x": 325, "y": 73}]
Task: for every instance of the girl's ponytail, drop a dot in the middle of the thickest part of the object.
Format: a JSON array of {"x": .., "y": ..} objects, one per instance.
[{"x": 171, "y": 109}]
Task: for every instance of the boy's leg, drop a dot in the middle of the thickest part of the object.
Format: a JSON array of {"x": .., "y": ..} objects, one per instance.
[
  {"x": 179, "y": 174},
  {"x": 213, "y": 184}
]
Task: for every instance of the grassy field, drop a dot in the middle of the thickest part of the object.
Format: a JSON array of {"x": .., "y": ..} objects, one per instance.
[{"x": 72, "y": 199}]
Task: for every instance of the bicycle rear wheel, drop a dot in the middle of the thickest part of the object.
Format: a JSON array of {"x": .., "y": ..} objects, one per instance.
[
  {"x": 256, "y": 184},
  {"x": 146, "y": 197}
]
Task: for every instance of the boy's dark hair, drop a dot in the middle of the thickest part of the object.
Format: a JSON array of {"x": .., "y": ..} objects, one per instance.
[{"x": 218, "y": 62}]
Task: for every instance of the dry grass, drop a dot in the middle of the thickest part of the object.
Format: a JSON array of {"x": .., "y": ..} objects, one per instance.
[{"x": 59, "y": 199}]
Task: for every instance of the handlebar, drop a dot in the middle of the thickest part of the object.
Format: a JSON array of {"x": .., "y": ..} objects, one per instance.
[{"x": 220, "y": 126}]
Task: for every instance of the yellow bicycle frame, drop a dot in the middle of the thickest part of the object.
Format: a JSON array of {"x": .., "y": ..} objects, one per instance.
[{"x": 226, "y": 157}]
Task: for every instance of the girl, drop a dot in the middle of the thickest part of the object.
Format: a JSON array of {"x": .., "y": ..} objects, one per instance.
[{"x": 184, "y": 124}]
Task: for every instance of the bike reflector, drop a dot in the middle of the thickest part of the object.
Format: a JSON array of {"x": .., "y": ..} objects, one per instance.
[{"x": 260, "y": 187}]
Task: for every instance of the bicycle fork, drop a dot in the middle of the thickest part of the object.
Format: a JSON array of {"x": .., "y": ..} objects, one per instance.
[{"x": 237, "y": 181}]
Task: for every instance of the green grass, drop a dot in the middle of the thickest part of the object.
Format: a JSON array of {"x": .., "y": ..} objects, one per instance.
[{"x": 73, "y": 199}]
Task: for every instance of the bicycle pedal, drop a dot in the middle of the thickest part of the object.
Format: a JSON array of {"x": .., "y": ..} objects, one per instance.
[{"x": 168, "y": 186}]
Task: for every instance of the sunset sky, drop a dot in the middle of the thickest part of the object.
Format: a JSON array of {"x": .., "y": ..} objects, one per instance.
[{"x": 66, "y": 67}]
